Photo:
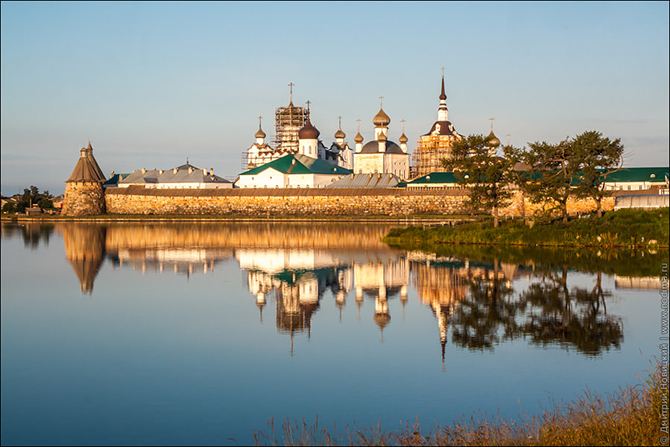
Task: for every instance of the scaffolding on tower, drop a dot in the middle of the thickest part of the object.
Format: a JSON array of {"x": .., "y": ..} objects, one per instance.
[
  {"x": 428, "y": 156},
  {"x": 288, "y": 121}
]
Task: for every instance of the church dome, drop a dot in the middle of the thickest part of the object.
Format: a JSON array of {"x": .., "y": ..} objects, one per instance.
[
  {"x": 381, "y": 119},
  {"x": 340, "y": 134},
  {"x": 493, "y": 141},
  {"x": 308, "y": 132},
  {"x": 381, "y": 137},
  {"x": 382, "y": 320},
  {"x": 403, "y": 138},
  {"x": 358, "y": 138},
  {"x": 372, "y": 147},
  {"x": 260, "y": 133}
]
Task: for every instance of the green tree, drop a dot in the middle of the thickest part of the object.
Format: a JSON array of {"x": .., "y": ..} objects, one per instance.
[
  {"x": 8, "y": 208},
  {"x": 32, "y": 196},
  {"x": 552, "y": 170},
  {"x": 487, "y": 177},
  {"x": 46, "y": 204},
  {"x": 597, "y": 157}
]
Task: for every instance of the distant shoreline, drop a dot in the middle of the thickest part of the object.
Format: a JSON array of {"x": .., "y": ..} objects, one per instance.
[{"x": 436, "y": 220}]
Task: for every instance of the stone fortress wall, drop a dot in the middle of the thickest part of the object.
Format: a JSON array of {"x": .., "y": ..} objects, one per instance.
[
  {"x": 83, "y": 198},
  {"x": 313, "y": 202}
]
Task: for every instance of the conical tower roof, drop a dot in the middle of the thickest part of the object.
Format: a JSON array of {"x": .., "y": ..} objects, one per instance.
[
  {"x": 443, "y": 96},
  {"x": 87, "y": 169}
]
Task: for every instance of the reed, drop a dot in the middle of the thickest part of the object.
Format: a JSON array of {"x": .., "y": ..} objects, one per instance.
[{"x": 630, "y": 416}]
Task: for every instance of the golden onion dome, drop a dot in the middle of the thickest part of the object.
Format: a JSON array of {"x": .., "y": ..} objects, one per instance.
[
  {"x": 492, "y": 140},
  {"x": 381, "y": 119}
]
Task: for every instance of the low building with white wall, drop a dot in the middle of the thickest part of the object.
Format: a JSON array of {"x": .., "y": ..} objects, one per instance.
[{"x": 292, "y": 171}]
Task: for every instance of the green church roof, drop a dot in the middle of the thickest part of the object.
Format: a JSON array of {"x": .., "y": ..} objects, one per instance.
[
  {"x": 434, "y": 177},
  {"x": 299, "y": 164},
  {"x": 639, "y": 175}
]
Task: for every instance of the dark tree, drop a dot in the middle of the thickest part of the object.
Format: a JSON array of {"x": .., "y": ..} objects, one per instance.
[
  {"x": 32, "y": 196},
  {"x": 598, "y": 157},
  {"x": 552, "y": 170},
  {"x": 577, "y": 166},
  {"x": 487, "y": 177}
]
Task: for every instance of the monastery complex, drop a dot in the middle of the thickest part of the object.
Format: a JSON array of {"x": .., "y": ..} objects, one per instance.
[{"x": 300, "y": 175}]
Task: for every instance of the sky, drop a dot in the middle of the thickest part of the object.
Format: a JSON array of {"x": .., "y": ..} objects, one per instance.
[{"x": 152, "y": 84}]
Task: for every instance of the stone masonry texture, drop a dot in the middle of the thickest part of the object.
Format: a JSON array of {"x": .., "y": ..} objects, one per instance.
[
  {"x": 83, "y": 198},
  {"x": 312, "y": 202}
]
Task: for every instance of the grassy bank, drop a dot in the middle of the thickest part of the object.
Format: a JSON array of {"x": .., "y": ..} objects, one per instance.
[
  {"x": 631, "y": 416},
  {"x": 622, "y": 228}
]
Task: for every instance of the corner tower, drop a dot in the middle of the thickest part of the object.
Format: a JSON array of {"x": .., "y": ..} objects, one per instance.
[{"x": 83, "y": 190}]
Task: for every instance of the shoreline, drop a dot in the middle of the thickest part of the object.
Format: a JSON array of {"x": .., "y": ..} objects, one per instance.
[
  {"x": 621, "y": 229},
  {"x": 436, "y": 220}
]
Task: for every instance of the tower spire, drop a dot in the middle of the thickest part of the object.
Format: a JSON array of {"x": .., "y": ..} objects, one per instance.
[
  {"x": 291, "y": 91},
  {"x": 442, "y": 111},
  {"x": 443, "y": 96}
]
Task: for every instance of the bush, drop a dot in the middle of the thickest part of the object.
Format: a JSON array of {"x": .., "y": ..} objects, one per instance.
[{"x": 46, "y": 204}]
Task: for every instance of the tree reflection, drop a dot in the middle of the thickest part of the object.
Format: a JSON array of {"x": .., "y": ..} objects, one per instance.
[
  {"x": 471, "y": 294},
  {"x": 32, "y": 233},
  {"x": 487, "y": 315},
  {"x": 576, "y": 317}
]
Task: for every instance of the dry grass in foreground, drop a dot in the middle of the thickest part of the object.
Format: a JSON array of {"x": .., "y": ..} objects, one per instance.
[{"x": 631, "y": 416}]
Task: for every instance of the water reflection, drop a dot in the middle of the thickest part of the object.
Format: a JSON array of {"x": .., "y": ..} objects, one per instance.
[
  {"x": 32, "y": 233},
  {"x": 478, "y": 302},
  {"x": 85, "y": 247},
  {"x": 577, "y": 316}
]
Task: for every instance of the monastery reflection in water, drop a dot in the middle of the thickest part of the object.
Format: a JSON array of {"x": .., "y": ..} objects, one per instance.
[{"x": 295, "y": 265}]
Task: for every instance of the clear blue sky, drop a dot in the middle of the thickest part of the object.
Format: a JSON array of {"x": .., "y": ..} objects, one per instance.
[{"x": 150, "y": 84}]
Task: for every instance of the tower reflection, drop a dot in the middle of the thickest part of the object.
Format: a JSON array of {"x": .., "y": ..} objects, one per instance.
[
  {"x": 85, "y": 251},
  {"x": 297, "y": 265}
]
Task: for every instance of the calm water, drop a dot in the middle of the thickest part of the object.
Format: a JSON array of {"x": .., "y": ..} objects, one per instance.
[{"x": 199, "y": 333}]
